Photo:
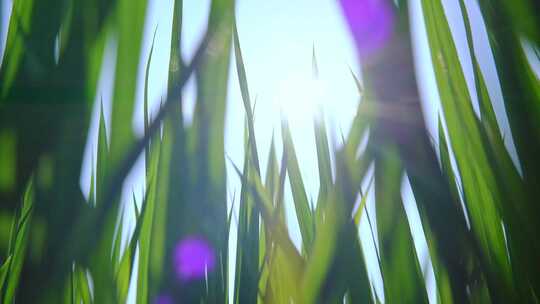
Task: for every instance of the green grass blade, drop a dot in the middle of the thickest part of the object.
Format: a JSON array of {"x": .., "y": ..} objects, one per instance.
[
  {"x": 242, "y": 78},
  {"x": 4, "y": 269},
  {"x": 321, "y": 142},
  {"x": 102, "y": 157},
  {"x": 83, "y": 286},
  {"x": 303, "y": 210},
  {"x": 130, "y": 16},
  {"x": 483, "y": 196},
  {"x": 19, "y": 24},
  {"x": 403, "y": 279},
  {"x": 359, "y": 211},
  {"x": 19, "y": 247},
  {"x": 145, "y": 99}
]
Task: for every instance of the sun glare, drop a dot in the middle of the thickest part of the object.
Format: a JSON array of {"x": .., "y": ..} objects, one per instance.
[{"x": 299, "y": 98}]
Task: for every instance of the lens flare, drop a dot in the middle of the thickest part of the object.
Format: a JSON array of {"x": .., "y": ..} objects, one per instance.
[
  {"x": 193, "y": 258},
  {"x": 371, "y": 23},
  {"x": 163, "y": 299}
]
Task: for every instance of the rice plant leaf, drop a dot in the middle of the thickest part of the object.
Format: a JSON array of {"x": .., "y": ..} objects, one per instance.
[
  {"x": 145, "y": 98},
  {"x": 91, "y": 191},
  {"x": 517, "y": 205},
  {"x": 271, "y": 184},
  {"x": 364, "y": 115},
  {"x": 248, "y": 230},
  {"x": 519, "y": 84},
  {"x": 248, "y": 259},
  {"x": 323, "y": 157},
  {"x": 271, "y": 181},
  {"x": 19, "y": 247},
  {"x": 19, "y": 25},
  {"x": 4, "y": 271},
  {"x": 83, "y": 286},
  {"x": 321, "y": 143},
  {"x": 242, "y": 78},
  {"x": 207, "y": 197},
  {"x": 359, "y": 211},
  {"x": 123, "y": 274},
  {"x": 303, "y": 210},
  {"x": 102, "y": 157},
  {"x": 402, "y": 276},
  {"x": 446, "y": 165},
  {"x": 357, "y": 82},
  {"x": 324, "y": 247},
  {"x": 285, "y": 264},
  {"x": 135, "y": 206},
  {"x": 278, "y": 228},
  {"x": 347, "y": 272},
  {"x": 483, "y": 196},
  {"x": 117, "y": 244},
  {"x": 156, "y": 190},
  {"x": 130, "y": 18}
]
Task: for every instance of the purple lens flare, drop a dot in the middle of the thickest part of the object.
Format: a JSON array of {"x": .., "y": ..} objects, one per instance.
[
  {"x": 163, "y": 299},
  {"x": 193, "y": 258},
  {"x": 371, "y": 23}
]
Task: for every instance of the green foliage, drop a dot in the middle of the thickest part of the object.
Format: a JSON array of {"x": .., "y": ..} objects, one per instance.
[{"x": 59, "y": 247}]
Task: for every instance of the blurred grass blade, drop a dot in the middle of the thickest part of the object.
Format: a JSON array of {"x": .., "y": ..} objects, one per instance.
[
  {"x": 402, "y": 276},
  {"x": 130, "y": 17},
  {"x": 18, "y": 251},
  {"x": 19, "y": 25},
  {"x": 4, "y": 269}
]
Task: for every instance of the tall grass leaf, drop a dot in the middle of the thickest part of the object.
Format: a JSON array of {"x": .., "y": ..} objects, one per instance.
[
  {"x": 248, "y": 228},
  {"x": 403, "y": 279},
  {"x": 359, "y": 210},
  {"x": 207, "y": 159},
  {"x": 135, "y": 206},
  {"x": 276, "y": 226},
  {"x": 321, "y": 143},
  {"x": 357, "y": 82},
  {"x": 123, "y": 274},
  {"x": 483, "y": 196},
  {"x": 130, "y": 15},
  {"x": 4, "y": 271},
  {"x": 19, "y": 25},
  {"x": 102, "y": 157},
  {"x": 248, "y": 259},
  {"x": 517, "y": 205},
  {"x": 18, "y": 253},
  {"x": 157, "y": 191},
  {"x": 319, "y": 263},
  {"x": 303, "y": 210},
  {"x": 83, "y": 286},
  {"x": 285, "y": 265},
  {"x": 347, "y": 275},
  {"x": 447, "y": 167},
  {"x": 519, "y": 84},
  {"x": 242, "y": 78},
  {"x": 126, "y": 264},
  {"x": 92, "y": 188},
  {"x": 145, "y": 98},
  {"x": 271, "y": 181},
  {"x": 117, "y": 243}
]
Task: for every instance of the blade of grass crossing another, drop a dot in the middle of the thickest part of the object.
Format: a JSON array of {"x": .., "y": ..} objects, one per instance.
[
  {"x": 483, "y": 196},
  {"x": 18, "y": 251},
  {"x": 303, "y": 210}
]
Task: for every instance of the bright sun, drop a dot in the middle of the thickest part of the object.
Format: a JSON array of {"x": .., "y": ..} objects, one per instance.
[{"x": 299, "y": 98}]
